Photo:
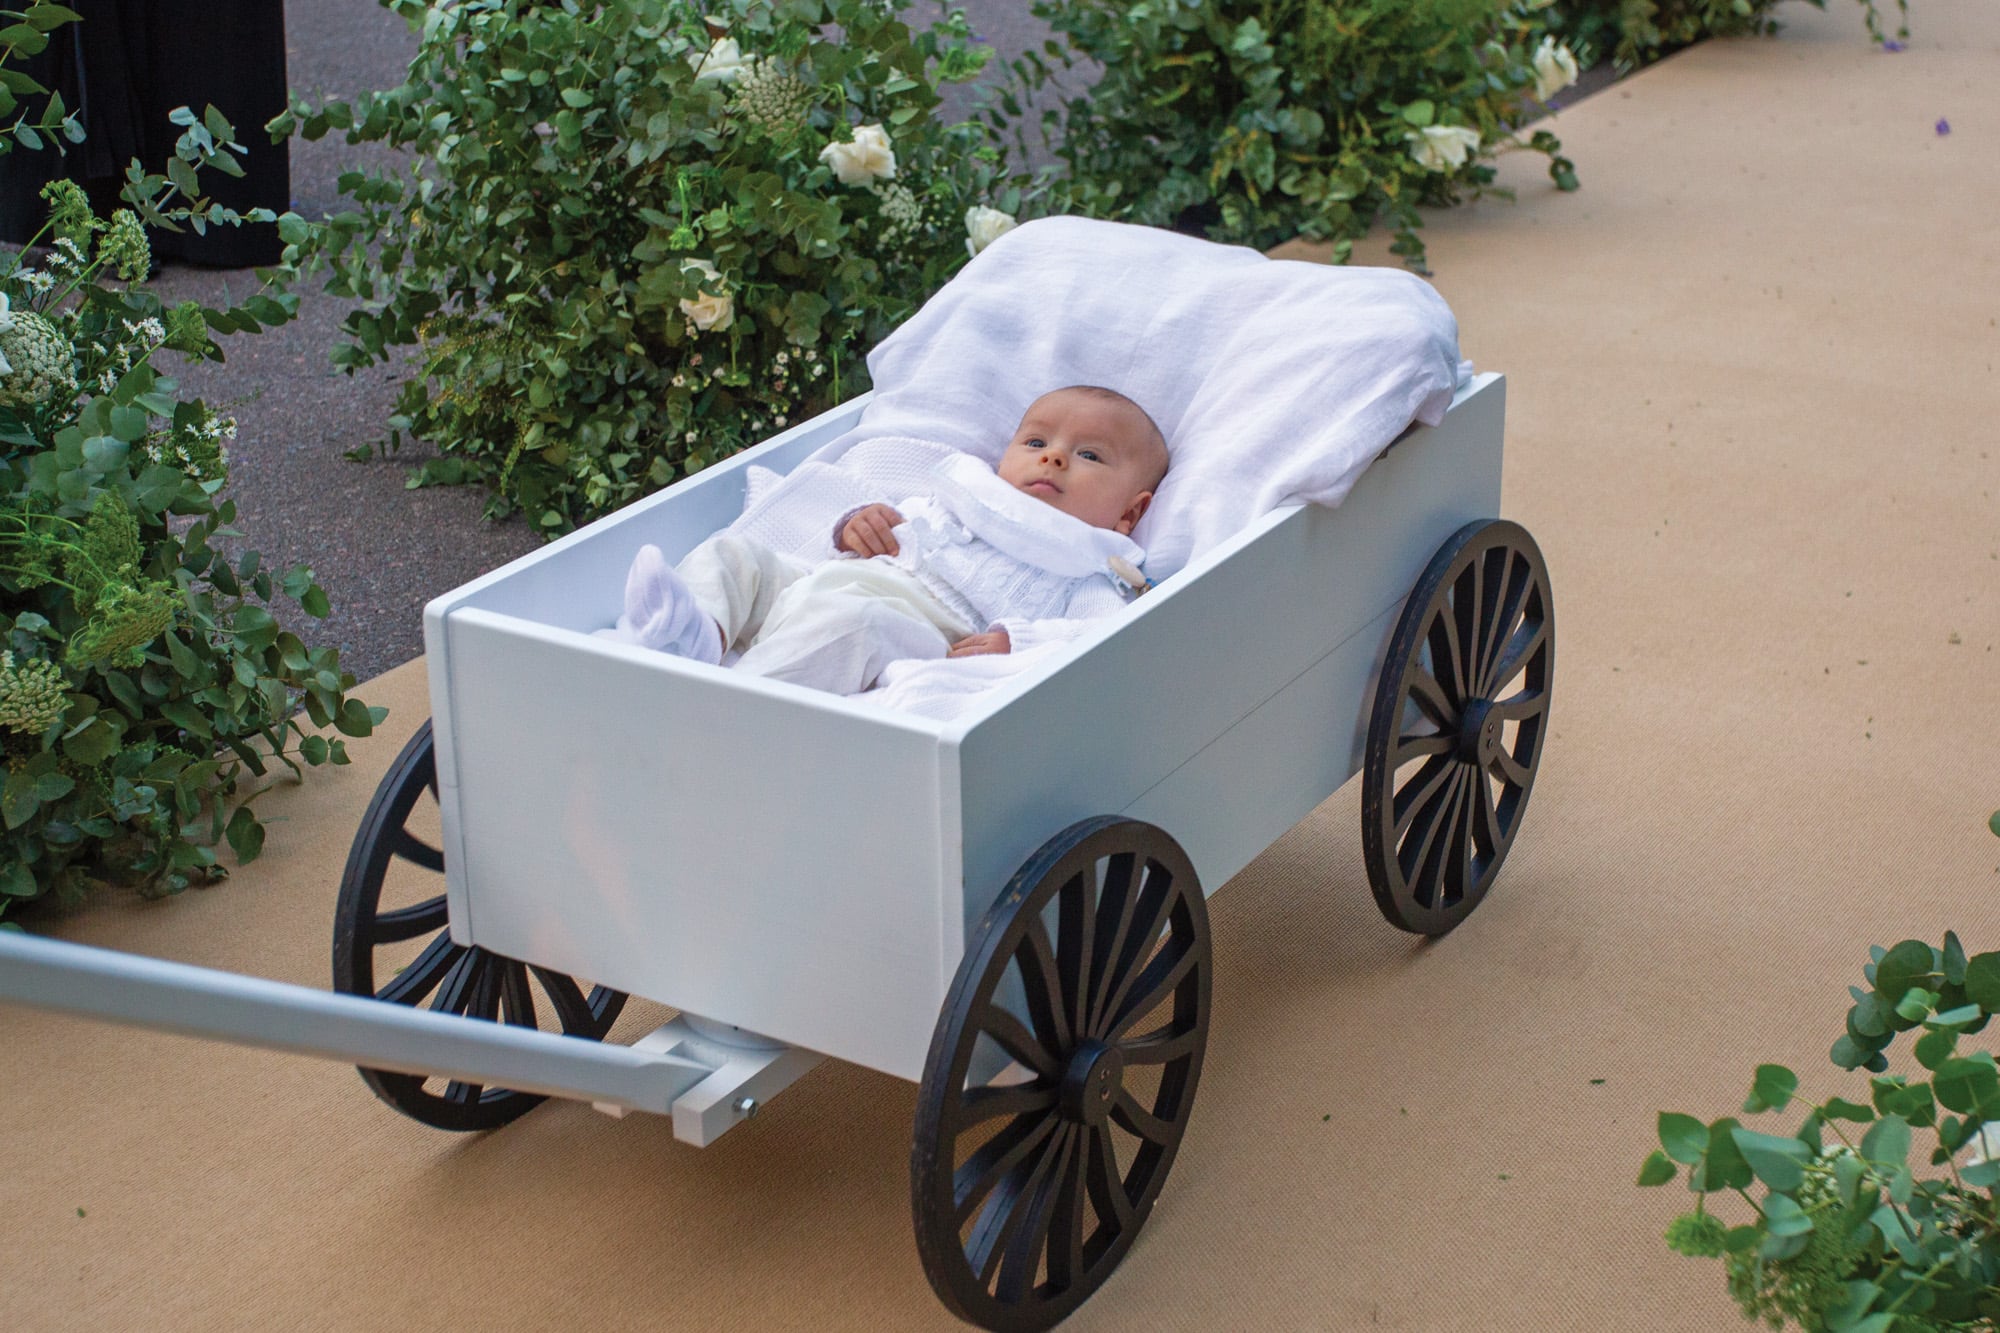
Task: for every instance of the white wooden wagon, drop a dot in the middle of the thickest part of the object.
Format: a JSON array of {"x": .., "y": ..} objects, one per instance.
[{"x": 1008, "y": 911}]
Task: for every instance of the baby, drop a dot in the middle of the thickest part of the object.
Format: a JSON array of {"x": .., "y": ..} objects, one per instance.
[{"x": 966, "y": 568}]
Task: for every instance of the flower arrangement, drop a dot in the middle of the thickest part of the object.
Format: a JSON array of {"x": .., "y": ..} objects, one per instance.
[
  {"x": 144, "y": 684},
  {"x": 1845, "y": 1237},
  {"x": 1254, "y": 121},
  {"x": 636, "y": 239}
]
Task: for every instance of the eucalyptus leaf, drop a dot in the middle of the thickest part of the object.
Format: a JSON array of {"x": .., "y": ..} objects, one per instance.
[
  {"x": 1684, "y": 1137},
  {"x": 1887, "y": 1141}
]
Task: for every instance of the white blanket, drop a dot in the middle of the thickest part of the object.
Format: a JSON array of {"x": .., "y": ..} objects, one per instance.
[{"x": 1275, "y": 382}]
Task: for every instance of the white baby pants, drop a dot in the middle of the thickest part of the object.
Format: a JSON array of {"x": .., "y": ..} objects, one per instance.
[{"x": 831, "y": 626}]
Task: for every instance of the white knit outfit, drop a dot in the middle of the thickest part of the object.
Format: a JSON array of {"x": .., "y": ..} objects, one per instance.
[{"x": 972, "y": 554}]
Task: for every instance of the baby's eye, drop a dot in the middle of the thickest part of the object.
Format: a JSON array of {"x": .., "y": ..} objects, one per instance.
[
  {"x": 1033, "y": 444},
  {"x": 1091, "y": 454}
]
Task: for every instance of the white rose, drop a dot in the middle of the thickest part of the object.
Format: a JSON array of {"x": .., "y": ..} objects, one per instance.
[
  {"x": 723, "y": 61},
  {"x": 1443, "y": 147},
  {"x": 6, "y": 319},
  {"x": 984, "y": 225},
  {"x": 1555, "y": 68},
  {"x": 714, "y": 309},
  {"x": 868, "y": 158}
]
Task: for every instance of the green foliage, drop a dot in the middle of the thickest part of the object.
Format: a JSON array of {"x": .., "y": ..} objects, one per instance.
[
  {"x": 1254, "y": 121},
  {"x": 1846, "y": 1237},
  {"x": 633, "y": 239},
  {"x": 1638, "y": 32},
  {"x": 25, "y": 32},
  {"x": 143, "y": 682}
]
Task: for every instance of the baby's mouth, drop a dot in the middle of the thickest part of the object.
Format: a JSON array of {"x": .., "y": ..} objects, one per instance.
[{"x": 1042, "y": 486}]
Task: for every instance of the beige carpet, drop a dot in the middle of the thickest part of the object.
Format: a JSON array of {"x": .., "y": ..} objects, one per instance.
[{"x": 1752, "y": 390}]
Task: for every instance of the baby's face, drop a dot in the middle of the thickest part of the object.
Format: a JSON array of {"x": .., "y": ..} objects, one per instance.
[{"x": 1094, "y": 457}]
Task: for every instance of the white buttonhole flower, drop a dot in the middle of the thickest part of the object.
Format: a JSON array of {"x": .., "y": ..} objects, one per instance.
[
  {"x": 1443, "y": 147},
  {"x": 868, "y": 158},
  {"x": 984, "y": 225},
  {"x": 723, "y": 61},
  {"x": 6, "y": 317},
  {"x": 712, "y": 308},
  {"x": 1983, "y": 1146},
  {"x": 1555, "y": 68}
]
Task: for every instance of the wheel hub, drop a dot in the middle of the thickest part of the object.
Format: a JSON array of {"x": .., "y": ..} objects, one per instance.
[
  {"x": 1092, "y": 1082},
  {"x": 1479, "y": 733}
]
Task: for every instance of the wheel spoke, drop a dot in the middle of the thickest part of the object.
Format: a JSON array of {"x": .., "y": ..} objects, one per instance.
[
  {"x": 1015, "y": 1039},
  {"x": 414, "y": 849},
  {"x": 999, "y": 1155},
  {"x": 1043, "y": 986},
  {"x": 1154, "y": 919},
  {"x": 1429, "y": 696},
  {"x": 1511, "y": 770},
  {"x": 517, "y": 999},
  {"x": 464, "y": 1094},
  {"x": 456, "y": 992},
  {"x": 1520, "y": 707},
  {"x": 1017, "y": 1270},
  {"x": 1495, "y": 617},
  {"x": 1076, "y": 931},
  {"x": 1419, "y": 856},
  {"x": 1107, "y": 1183},
  {"x": 1525, "y": 642},
  {"x": 1420, "y": 747},
  {"x": 1136, "y": 1118},
  {"x": 1066, "y": 1237},
  {"x": 414, "y": 982},
  {"x": 1450, "y": 677},
  {"x": 572, "y": 1008},
  {"x": 1464, "y": 615},
  {"x": 1490, "y": 832},
  {"x": 982, "y": 1104},
  {"x": 1122, "y": 887},
  {"x": 407, "y": 923},
  {"x": 1162, "y": 1045},
  {"x": 1006, "y": 1215},
  {"x": 1420, "y": 792},
  {"x": 1458, "y": 852},
  {"x": 1168, "y": 968},
  {"x": 1520, "y": 583}
]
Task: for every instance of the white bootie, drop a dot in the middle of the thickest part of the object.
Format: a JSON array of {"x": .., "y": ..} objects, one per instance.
[{"x": 661, "y": 612}]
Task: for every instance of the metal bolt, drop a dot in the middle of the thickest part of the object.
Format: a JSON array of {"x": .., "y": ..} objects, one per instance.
[{"x": 745, "y": 1107}]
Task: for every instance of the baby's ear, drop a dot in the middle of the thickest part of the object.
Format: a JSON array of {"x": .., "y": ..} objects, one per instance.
[{"x": 1134, "y": 512}]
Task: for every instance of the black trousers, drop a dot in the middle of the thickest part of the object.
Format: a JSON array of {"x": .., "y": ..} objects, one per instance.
[{"x": 122, "y": 69}]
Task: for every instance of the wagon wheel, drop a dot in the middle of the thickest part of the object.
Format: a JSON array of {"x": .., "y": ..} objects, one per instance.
[
  {"x": 454, "y": 979},
  {"x": 1460, "y": 717},
  {"x": 1087, "y": 989}
]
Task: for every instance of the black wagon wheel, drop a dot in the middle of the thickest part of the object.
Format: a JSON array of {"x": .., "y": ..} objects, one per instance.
[
  {"x": 1061, "y": 1075},
  {"x": 409, "y": 945},
  {"x": 1460, "y": 717}
]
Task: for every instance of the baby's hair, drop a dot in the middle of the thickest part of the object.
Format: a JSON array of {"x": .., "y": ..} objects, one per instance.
[{"x": 1160, "y": 436}]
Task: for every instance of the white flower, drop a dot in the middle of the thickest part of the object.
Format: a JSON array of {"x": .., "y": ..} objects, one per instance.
[
  {"x": 1555, "y": 68},
  {"x": 1443, "y": 147},
  {"x": 6, "y": 321},
  {"x": 868, "y": 158},
  {"x": 711, "y": 308},
  {"x": 723, "y": 61},
  {"x": 984, "y": 225}
]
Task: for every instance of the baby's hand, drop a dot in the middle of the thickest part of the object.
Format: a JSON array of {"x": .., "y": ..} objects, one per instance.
[
  {"x": 867, "y": 533},
  {"x": 973, "y": 645}
]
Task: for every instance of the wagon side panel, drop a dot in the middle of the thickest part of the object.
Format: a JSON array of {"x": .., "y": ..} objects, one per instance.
[
  {"x": 1236, "y": 698},
  {"x": 759, "y": 855}
]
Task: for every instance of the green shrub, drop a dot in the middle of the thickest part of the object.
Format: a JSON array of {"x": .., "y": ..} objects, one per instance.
[
  {"x": 1253, "y": 121},
  {"x": 142, "y": 682},
  {"x": 636, "y": 238},
  {"x": 1637, "y": 32},
  {"x": 1845, "y": 1237}
]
